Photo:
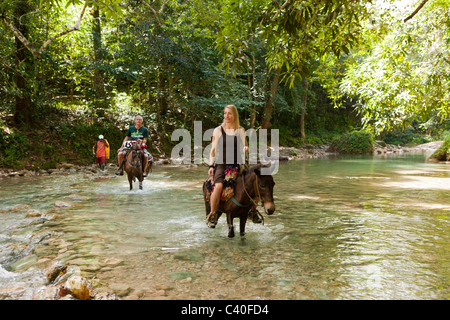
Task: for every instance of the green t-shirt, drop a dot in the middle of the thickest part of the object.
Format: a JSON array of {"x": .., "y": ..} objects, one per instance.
[{"x": 135, "y": 134}]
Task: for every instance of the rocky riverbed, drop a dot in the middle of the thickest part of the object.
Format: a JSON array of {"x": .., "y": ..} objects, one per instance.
[
  {"x": 43, "y": 251},
  {"x": 63, "y": 278}
]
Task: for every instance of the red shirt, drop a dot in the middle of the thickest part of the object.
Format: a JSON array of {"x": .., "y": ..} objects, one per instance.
[{"x": 101, "y": 149}]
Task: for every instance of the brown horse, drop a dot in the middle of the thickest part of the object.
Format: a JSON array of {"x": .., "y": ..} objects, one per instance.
[
  {"x": 250, "y": 187},
  {"x": 133, "y": 164}
]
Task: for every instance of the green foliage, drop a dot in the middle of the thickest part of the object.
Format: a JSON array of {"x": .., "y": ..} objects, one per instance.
[
  {"x": 403, "y": 75},
  {"x": 443, "y": 153},
  {"x": 176, "y": 62},
  {"x": 295, "y": 32},
  {"x": 409, "y": 136},
  {"x": 63, "y": 140},
  {"x": 356, "y": 142},
  {"x": 14, "y": 148}
]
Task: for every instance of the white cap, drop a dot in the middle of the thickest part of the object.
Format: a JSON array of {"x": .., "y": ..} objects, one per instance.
[{"x": 100, "y": 136}]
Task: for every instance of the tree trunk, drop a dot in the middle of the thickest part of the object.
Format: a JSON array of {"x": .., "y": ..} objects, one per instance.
[
  {"x": 99, "y": 84},
  {"x": 24, "y": 111},
  {"x": 302, "y": 125},
  {"x": 269, "y": 108},
  {"x": 303, "y": 110},
  {"x": 161, "y": 101},
  {"x": 251, "y": 87}
]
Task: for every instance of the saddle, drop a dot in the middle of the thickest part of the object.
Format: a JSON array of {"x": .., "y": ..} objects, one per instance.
[{"x": 231, "y": 173}]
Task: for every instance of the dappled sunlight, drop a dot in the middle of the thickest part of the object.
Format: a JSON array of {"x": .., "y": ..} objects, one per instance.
[{"x": 417, "y": 183}]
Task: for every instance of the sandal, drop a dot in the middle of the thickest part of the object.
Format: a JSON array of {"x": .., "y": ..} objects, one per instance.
[{"x": 211, "y": 219}]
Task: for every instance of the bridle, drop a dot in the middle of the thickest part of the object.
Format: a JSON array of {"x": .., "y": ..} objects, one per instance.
[
  {"x": 135, "y": 158},
  {"x": 253, "y": 201}
]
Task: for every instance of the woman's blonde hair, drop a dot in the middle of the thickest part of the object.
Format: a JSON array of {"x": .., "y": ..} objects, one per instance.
[{"x": 235, "y": 113}]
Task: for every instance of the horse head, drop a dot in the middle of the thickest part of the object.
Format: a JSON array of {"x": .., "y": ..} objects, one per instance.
[
  {"x": 264, "y": 185},
  {"x": 134, "y": 157}
]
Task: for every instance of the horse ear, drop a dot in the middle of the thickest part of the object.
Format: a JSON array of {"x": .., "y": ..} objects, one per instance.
[{"x": 257, "y": 171}]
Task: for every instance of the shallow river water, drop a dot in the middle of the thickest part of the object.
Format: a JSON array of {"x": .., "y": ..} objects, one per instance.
[{"x": 344, "y": 228}]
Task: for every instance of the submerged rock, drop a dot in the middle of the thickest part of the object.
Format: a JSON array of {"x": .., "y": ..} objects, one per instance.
[
  {"x": 24, "y": 263},
  {"x": 54, "y": 271},
  {"x": 32, "y": 213},
  {"x": 76, "y": 197},
  {"x": 62, "y": 204},
  {"x": 20, "y": 207}
]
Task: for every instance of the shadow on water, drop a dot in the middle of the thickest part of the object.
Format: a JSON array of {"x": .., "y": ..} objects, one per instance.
[{"x": 344, "y": 228}]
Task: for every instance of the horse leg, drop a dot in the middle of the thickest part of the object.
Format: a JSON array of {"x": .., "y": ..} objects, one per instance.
[
  {"x": 141, "y": 178},
  {"x": 207, "y": 204},
  {"x": 242, "y": 221},
  {"x": 230, "y": 226},
  {"x": 130, "y": 180}
]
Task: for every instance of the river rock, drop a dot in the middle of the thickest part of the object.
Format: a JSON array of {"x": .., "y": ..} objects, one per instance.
[
  {"x": 33, "y": 213},
  {"x": 13, "y": 292},
  {"x": 66, "y": 165},
  {"x": 76, "y": 286},
  {"x": 76, "y": 197},
  {"x": 182, "y": 275},
  {"x": 62, "y": 204},
  {"x": 55, "y": 270},
  {"x": 120, "y": 289},
  {"x": 47, "y": 293},
  {"x": 44, "y": 262},
  {"x": 112, "y": 262},
  {"x": 20, "y": 207},
  {"x": 105, "y": 296}
]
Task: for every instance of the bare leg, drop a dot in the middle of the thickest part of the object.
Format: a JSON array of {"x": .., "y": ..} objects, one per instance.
[
  {"x": 119, "y": 161},
  {"x": 215, "y": 196},
  {"x": 214, "y": 201}
]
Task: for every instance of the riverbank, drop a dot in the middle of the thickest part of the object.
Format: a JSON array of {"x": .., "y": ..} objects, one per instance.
[{"x": 285, "y": 154}]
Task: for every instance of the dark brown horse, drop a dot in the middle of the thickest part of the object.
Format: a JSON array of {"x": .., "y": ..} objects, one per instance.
[
  {"x": 251, "y": 187},
  {"x": 133, "y": 164}
]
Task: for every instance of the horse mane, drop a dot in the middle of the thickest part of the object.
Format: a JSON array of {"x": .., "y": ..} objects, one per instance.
[{"x": 255, "y": 169}]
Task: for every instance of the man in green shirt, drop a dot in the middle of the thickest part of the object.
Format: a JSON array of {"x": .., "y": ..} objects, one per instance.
[{"x": 136, "y": 132}]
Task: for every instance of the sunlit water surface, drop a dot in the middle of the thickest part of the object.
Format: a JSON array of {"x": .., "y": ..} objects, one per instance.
[{"x": 344, "y": 228}]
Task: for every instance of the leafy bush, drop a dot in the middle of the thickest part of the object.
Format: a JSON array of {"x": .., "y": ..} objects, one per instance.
[
  {"x": 443, "y": 153},
  {"x": 63, "y": 141},
  {"x": 405, "y": 137},
  {"x": 355, "y": 142}
]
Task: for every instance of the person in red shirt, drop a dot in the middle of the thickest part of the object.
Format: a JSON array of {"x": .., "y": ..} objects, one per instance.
[{"x": 100, "y": 154}]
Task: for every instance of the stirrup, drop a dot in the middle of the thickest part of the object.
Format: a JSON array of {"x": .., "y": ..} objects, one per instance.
[{"x": 211, "y": 219}]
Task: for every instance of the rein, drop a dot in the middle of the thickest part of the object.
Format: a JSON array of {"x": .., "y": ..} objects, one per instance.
[{"x": 255, "y": 203}]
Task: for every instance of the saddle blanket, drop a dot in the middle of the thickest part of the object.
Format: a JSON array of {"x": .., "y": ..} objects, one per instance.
[{"x": 231, "y": 173}]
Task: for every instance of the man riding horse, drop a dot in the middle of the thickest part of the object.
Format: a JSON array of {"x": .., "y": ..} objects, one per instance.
[{"x": 139, "y": 133}]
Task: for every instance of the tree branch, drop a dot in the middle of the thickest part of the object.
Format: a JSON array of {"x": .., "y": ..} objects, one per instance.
[
  {"x": 29, "y": 45},
  {"x": 154, "y": 11},
  {"x": 75, "y": 27},
  {"x": 415, "y": 11},
  {"x": 21, "y": 37},
  {"x": 162, "y": 6},
  {"x": 279, "y": 10}
]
